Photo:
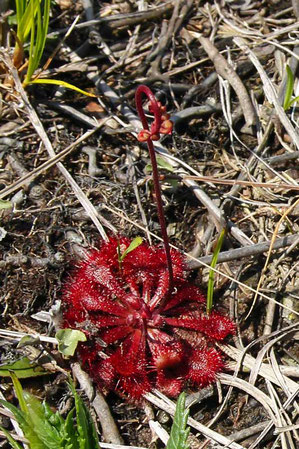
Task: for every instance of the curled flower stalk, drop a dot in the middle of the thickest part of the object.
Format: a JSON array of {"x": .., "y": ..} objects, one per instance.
[
  {"x": 160, "y": 125},
  {"x": 145, "y": 323}
]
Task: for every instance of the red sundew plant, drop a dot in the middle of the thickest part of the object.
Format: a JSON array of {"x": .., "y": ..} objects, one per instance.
[{"x": 145, "y": 323}]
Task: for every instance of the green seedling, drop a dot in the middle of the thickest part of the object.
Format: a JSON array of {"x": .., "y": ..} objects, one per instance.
[
  {"x": 211, "y": 281},
  {"x": 33, "y": 21},
  {"x": 44, "y": 429},
  {"x": 179, "y": 430},
  {"x": 133, "y": 245}
]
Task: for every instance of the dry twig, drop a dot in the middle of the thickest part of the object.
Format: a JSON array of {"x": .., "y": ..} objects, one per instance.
[{"x": 224, "y": 69}]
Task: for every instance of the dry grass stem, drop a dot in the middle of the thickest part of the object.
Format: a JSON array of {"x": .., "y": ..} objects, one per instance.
[
  {"x": 224, "y": 69},
  {"x": 169, "y": 407},
  {"x": 231, "y": 161},
  {"x": 109, "y": 428}
]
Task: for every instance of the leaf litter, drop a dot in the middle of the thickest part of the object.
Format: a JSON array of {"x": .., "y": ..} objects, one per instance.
[{"x": 64, "y": 210}]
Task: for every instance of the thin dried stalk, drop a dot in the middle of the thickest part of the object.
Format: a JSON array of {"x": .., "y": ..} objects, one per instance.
[
  {"x": 224, "y": 69},
  {"x": 168, "y": 406},
  {"x": 269, "y": 91},
  {"x": 264, "y": 369},
  {"x": 88, "y": 206},
  {"x": 109, "y": 428}
]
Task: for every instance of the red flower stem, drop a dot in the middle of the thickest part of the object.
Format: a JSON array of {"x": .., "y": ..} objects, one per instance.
[{"x": 155, "y": 130}]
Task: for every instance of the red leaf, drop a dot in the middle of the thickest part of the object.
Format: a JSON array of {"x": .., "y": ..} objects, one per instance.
[
  {"x": 204, "y": 365},
  {"x": 152, "y": 339}
]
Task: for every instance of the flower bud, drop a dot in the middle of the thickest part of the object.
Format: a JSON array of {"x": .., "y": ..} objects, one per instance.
[
  {"x": 165, "y": 116},
  {"x": 166, "y": 127},
  {"x": 155, "y": 137},
  {"x": 143, "y": 135}
]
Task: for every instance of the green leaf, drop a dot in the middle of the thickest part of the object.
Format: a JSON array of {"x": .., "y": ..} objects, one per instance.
[
  {"x": 18, "y": 414},
  {"x": 28, "y": 340},
  {"x": 161, "y": 163},
  {"x": 62, "y": 84},
  {"x": 289, "y": 89},
  {"x": 5, "y": 204},
  {"x": 10, "y": 439},
  {"x": 212, "y": 272},
  {"x": 68, "y": 340},
  {"x": 88, "y": 438},
  {"x": 12, "y": 20},
  {"x": 133, "y": 245},
  {"x": 45, "y": 429},
  {"x": 19, "y": 393},
  {"x": 82, "y": 424},
  {"x": 179, "y": 430},
  {"x": 294, "y": 100},
  {"x": 69, "y": 432},
  {"x": 34, "y": 419},
  {"x": 40, "y": 422},
  {"x": 23, "y": 416},
  {"x": 55, "y": 419},
  {"x": 23, "y": 368},
  {"x": 174, "y": 183}
]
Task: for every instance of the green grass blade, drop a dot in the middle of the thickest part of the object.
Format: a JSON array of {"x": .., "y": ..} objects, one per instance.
[
  {"x": 23, "y": 416},
  {"x": 42, "y": 23},
  {"x": 31, "y": 62},
  {"x": 39, "y": 29},
  {"x": 179, "y": 430},
  {"x": 18, "y": 414},
  {"x": 27, "y": 20},
  {"x": 294, "y": 100},
  {"x": 19, "y": 393},
  {"x": 45, "y": 26},
  {"x": 62, "y": 84},
  {"x": 10, "y": 439},
  {"x": 20, "y": 8},
  {"x": 38, "y": 40},
  {"x": 35, "y": 20},
  {"x": 212, "y": 272},
  {"x": 289, "y": 89}
]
